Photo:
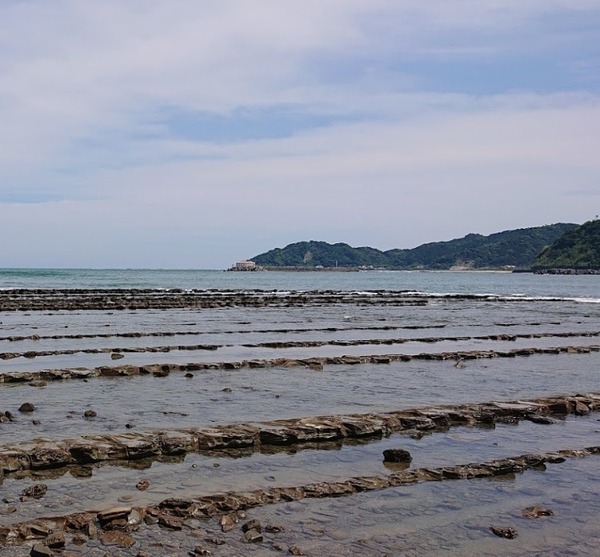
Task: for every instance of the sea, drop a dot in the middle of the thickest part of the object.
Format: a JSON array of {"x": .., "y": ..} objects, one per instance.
[
  {"x": 535, "y": 335},
  {"x": 585, "y": 288}
]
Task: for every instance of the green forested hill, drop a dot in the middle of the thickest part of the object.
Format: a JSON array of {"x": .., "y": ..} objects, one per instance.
[
  {"x": 577, "y": 249},
  {"x": 517, "y": 248}
]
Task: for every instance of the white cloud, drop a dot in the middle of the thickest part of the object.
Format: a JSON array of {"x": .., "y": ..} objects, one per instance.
[{"x": 86, "y": 89}]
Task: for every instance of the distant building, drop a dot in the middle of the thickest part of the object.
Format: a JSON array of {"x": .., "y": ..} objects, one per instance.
[{"x": 245, "y": 265}]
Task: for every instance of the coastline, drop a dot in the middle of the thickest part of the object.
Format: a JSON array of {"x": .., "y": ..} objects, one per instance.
[{"x": 188, "y": 418}]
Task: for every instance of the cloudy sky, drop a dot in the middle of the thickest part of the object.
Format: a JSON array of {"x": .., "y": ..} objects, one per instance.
[{"x": 191, "y": 134}]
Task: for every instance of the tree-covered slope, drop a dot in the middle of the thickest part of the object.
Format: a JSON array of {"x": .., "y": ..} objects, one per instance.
[
  {"x": 577, "y": 249},
  {"x": 512, "y": 247},
  {"x": 314, "y": 254}
]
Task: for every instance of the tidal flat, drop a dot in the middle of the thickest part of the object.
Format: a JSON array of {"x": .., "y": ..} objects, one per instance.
[{"x": 230, "y": 422}]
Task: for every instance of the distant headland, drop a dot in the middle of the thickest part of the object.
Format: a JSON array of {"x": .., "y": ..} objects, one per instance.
[{"x": 555, "y": 248}]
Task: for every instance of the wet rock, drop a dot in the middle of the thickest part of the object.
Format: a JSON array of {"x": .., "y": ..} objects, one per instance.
[
  {"x": 49, "y": 457},
  {"x": 199, "y": 550},
  {"x": 56, "y": 540},
  {"x": 116, "y": 356},
  {"x": 26, "y": 407},
  {"x": 177, "y": 443},
  {"x": 253, "y": 536},
  {"x": 581, "y": 409},
  {"x": 214, "y": 541},
  {"x": 142, "y": 485},
  {"x": 137, "y": 446},
  {"x": 228, "y": 522},
  {"x": 115, "y": 537},
  {"x": 295, "y": 550},
  {"x": 396, "y": 455},
  {"x": 536, "y": 512},
  {"x": 252, "y": 525},
  {"x": 41, "y": 550},
  {"x": 36, "y": 491},
  {"x": 277, "y": 437},
  {"x": 38, "y": 383},
  {"x": 89, "y": 414},
  {"x": 171, "y": 522},
  {"x": 79, "y": 522},
  {"x": 78, "y": 539},
  {"x": 33, "y": 530},
  {"x": 504, "y": 532},
  {"x": 274, "y": 528},
  {"x": 539, "y": 419},
  {"x": 87, "y": 451},
  {"x": 111, "y": 515}
]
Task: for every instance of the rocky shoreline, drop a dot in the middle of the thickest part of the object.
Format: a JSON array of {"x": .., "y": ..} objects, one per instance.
[
  {"x": 118, "y": 526},
  {"x": 266, "y": 422}
]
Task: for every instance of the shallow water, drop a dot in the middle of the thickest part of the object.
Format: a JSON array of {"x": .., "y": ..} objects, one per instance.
[
  {"x": 451, "y": 517},
  {"x": 148, "y": 403},
  {"x": 196, "y": 475}
]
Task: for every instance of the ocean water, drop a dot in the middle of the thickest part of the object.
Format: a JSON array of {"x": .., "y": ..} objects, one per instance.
[
  {"x": 495, "y": 312},
  {"x": 581, "y": 287}
]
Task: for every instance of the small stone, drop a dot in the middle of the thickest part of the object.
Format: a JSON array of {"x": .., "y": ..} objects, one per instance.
[
  {"x": 295, "y": 550},
  {"x": 78, "y": 539},
  {"x": 541, "y": 420},
  {"x": 581, "y": 409},
  {"x": 36, "y": 491},
  {"x": 396, "y": 455},
  {"x": 142, "y": 485},
  {"x": 36, "y": 422},
  {"x": 38, "y": 383},
  {"x": 56, "y": 540},
  {"x": 199, "y": 550},
  {"x": 115, "y": 513},
  {"x": 536, "y": 512},
  {"x": 252, "y": 525},
  {"x": 114, "y": 537},
  {"x": 253, "y": 536},
  {"x": 89, "y": 414},
  {"x": 26, "y": 407},
  {"x": 189, "y": 375},
  {"x": 504, "y": 532},
  {"x": 214, "y": 541},
  {"x": 40, "y": 550},
  {"x": 226, "y": 390},
  {"x": 116, "y": 356},
  {"x": 227, "y": 522},
  {"x": 274, "y": 528},
  {"x": 172, "y": 522}
]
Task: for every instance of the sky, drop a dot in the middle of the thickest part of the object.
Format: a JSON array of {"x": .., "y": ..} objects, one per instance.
[{"x": 193, "y": 134}]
